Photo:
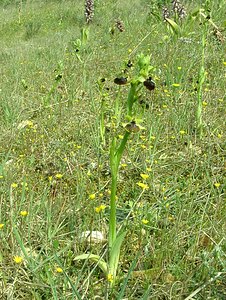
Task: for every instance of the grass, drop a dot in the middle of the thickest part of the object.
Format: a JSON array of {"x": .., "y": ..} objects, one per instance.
[{"x": 54, "y": 151}]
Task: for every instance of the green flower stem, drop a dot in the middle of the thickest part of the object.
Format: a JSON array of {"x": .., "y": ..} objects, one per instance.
[
  {"x": 112, "y": 225},
  {"x": 200, "y": 85},
  {"x": 131, "y": 98},
  {"x": 117, "y": 108},
  {"x": 121, "y": 148},
  {"x": 102, "y": 127},
  {"x": 115, "y": 158}
]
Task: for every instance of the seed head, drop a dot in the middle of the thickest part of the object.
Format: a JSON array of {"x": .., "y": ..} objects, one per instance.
[
  {"x": 165, "y": 13},
  {"x": 178, "y": 9},
  {"x": 89, "y": 10},
  {"x": 176, "y": 5}
]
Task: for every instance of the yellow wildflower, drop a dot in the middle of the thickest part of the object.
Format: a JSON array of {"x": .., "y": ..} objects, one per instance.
[
  {"x": 176, "y": 84},
  {"x": 92, "y": 196},
  {"x": 145, "y": 221},
  {"x": 204, "y": 103},
  {"x": 59, "y": 270},
  {"x": 182, "y": 132},
  {"x": 144, "y": 176},
  {"x": 24, "y": 213},
  {"x": 59, "y": 175},
  {"x": 217, "y": 184},
  {"x": 18, "y": 259},
  {"x": 1, "y": 225},
  {"x": 179, "y": 68},
  {"x": 110, "y": 278},
  {"x": 100, "y": 208},
  {"x": 1, "y": 176},
  {"x": 148, "y": 169},
  {"x": 14, "y": 185},
  {"x": 144, "y": 186},
  {"x": 224, "y": 63},
  {"x": 123, "y": 165}
]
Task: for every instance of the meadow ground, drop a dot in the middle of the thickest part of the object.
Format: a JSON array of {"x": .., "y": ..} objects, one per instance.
[{"x": 59, "y": 111}]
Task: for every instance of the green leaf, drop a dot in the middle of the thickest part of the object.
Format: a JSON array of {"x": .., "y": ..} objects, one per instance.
[
  {"x": 114, "y": 254},
  {"x": 55, "y": 244},
  {"x": 94, "y": 258},
  {"x": 176, "y": 28}
]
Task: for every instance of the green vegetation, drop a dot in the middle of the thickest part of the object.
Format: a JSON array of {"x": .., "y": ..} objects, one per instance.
[{"x": 79, "y": 172}]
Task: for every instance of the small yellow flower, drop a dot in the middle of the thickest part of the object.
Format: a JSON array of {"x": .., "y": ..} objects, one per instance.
[
  {"x": 18, "y": 259},
  {"x": 145, "y": 221},
  {"x": 182, "y": 132},
  {"x": 100, "y": 208},
  {"x": 14, "y": 185},
  {"x": 144, "y": 176},
  {"x": 219, "y": 135},
  {"x": 50, "y": 178},
  {"x": 1, "y": 176},
  {"x": 59, "y": 270},
  {"x": 59, "y": 175},
  {"x": 92, "y": 196},
  {"x": 148, "y": 169},
  {"x": 143, "y": 137},
  {"x": 79, "y": 147},
  {"x": 164, "y": 106},
  {"x": 176, "y": 84},
  {"x": 152, "y": 137},
  {"x": 179, "y": 68},
  {"x": 1, "y": 225},
  {"x": 204, "y": 103},
  {"x": 101, "y": 195},
  {"x": 144, "y": 186},
  {"x": 120, "y": 136},
  {"x": 224, "y": 63},
  {"x": 123, "y": 165},
  {"x": 110, "y": 278},
  {"x": 24, "y": 213},
  {"x": 217, "y": 184},
  {"x": 30, "y": 123},
  {"x": 143, "y": 146}
]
